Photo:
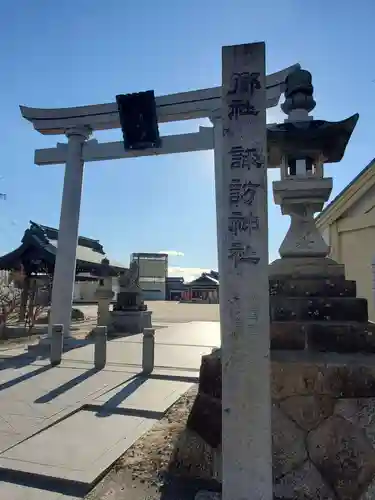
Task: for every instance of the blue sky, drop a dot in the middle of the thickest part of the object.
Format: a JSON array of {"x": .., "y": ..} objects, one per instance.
[{"x": 57, "y": 54}]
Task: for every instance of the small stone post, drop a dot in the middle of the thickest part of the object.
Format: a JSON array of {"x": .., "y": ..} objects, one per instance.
[
  {"x": 57, "y": 344},
  {"x": 244, "y": 304},
  {"x": 100, "y": 348},
  {"x": 148, "y": 350}
]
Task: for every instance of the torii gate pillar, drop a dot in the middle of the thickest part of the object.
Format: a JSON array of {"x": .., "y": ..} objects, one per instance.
[{"x": 65, "y": 263}]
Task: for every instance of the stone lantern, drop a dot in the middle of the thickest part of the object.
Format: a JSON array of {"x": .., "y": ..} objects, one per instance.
[
  {"x": 301, "y": 146},
  {"x": 104, "y": 294},
  {"x": 323, "y": 405}
]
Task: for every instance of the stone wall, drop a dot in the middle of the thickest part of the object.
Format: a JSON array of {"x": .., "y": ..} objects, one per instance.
[{"x": 323, "y": 425}]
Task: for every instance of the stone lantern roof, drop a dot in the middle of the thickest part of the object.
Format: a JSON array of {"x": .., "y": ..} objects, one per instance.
[
  {"x": 312, "y": 138},
  {"x": 301, "y": 135}
]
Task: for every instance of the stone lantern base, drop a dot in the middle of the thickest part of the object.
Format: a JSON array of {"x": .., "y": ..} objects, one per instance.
[
  {"x": 323, "y": 390},
  {"x": 130, "y": 321},
  {"x": 323, "y": 428},
  {"x": 305, "y": 267}
]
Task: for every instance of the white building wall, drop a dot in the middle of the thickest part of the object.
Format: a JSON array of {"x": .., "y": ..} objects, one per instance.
[
  {"x": 84, "y": 291},
  {"x": 153, "y": 288},
  {"x": 152, "y": 276}
]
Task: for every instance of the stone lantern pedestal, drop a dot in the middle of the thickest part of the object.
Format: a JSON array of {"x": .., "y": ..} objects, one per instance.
[{"x": 104, "y": 297}]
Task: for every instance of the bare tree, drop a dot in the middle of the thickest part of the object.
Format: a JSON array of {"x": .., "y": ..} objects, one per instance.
[
  {"x": 38, "y": 302},
  {"x": 10, "y": 298}
]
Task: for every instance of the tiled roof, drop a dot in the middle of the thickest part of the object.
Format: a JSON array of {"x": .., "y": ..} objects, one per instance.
[{"x": 43, "y": 239}]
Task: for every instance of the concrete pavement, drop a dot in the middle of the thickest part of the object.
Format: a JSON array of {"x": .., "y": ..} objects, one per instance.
[
  {"x": 61, "y": 427},
  {"x": 169, "y": 312}
]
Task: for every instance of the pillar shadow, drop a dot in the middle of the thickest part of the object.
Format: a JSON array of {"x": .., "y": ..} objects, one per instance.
[
  {"x": 46, "y": 483},
  {"x": 175, "y": 378},
  {"x": 54, "y": 393},
  {"x": 104, "y": 411},
  {"x": 25, "y": 376},
  {"x": 24, "y": 359},
  {"x": 107, "y": 408}
]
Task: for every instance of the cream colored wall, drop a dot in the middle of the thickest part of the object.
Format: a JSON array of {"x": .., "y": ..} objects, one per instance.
[
  {"x": 358, "y": 251},
  {"x": 364, "y": 205},
  {"x": 352, "y": 242}
]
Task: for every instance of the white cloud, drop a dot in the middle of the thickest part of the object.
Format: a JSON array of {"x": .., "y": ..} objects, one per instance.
[
  {"x": 173, "y": 253},
  {"x": 188, "y": 273}
]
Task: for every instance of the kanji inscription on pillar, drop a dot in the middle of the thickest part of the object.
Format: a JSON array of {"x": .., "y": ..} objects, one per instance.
[{"x": 245, "y": 342}]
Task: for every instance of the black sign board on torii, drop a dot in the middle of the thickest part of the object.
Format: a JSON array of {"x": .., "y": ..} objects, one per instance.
[{"x": 139, "y": 122}]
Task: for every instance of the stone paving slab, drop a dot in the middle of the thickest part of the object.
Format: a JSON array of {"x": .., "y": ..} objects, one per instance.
[
  {"x": 180, "y": 346},
  {"x": 8, "y": 439},
  {"x": 149, "y": 394},
  {"x": 72, "y": 448},
  {"x": 11, "y": 491},
  {"x": 71, "y": 422},
  {"x": 80, "y": 446}
]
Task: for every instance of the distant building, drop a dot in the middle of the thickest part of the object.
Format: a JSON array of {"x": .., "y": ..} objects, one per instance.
[
  {"x": 175, "y": 288},
  {"x": 205, "y": 288},
  {"x": 37, "y": 253},
  {"x": 153, "y": 273}
]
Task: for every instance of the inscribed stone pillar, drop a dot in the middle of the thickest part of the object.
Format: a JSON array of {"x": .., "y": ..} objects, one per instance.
[
  {"x": 218, "y": 158},
  {"x": 246, "y": 427}
]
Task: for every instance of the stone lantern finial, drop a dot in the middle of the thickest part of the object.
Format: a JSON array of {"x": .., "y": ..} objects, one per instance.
[{"x": 299, "y": 99}]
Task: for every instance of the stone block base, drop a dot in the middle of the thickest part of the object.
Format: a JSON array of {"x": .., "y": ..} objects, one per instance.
[
  {"x": 323, "y": 336},
  {"x": 130, "y": 321},
  {"x": 323, "y": 428},
  {"x": 305, "y": 267}
]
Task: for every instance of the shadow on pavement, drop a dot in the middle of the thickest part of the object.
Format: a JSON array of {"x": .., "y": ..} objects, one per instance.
[
  {"x": 47, "y": 483},
  {"x": 25, "y": 376},
  {"x": 54, "y": 393},
  {"x": 106, "y": 411},
  {"x": 176, "y": 378},
  {"x": 24, "y": 359}
]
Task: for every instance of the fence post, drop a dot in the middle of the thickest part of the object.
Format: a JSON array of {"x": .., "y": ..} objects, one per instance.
[
  {"x": 148, "y": 351},
  {"x": 57, "y": 344},
  {"x": 100, "y": 348}
]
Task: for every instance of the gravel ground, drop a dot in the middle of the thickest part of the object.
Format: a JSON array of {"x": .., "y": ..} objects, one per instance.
[{"x": 142, "y": 472}]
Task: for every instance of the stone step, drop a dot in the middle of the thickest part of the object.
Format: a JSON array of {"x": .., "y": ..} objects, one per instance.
[
  {"x": 316, "y": 336},
  {"x": 334, "y": 287},
  {"x": 288, "y": 335},
  {"x": 318, "y": 309},
  {"x": 323, "y": 336},
  {"x": 351, "y": 339}
]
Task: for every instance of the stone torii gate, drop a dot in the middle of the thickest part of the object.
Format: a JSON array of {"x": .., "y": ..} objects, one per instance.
[{"x": 237, "y": 111}]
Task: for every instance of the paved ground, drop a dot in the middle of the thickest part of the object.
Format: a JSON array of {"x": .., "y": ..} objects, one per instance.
[
  {"x": 62, "y": 427},
  {"x": 171, "y": 312}
]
